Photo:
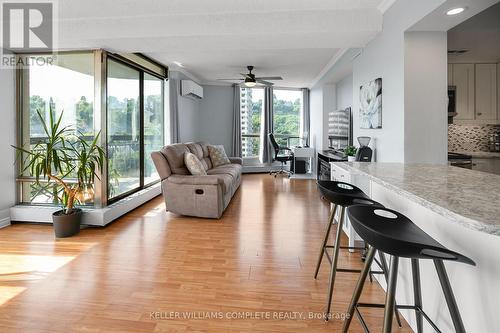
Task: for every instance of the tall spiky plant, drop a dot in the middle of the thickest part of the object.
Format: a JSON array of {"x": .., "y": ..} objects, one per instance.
[{"x": 63, "y": 155}]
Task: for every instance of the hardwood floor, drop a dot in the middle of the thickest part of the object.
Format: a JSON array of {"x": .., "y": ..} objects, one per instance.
[{"x": 259, "y": 257}]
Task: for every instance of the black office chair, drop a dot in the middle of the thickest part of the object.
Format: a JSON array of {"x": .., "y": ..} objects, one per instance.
[{"x": 280, "y": 156}]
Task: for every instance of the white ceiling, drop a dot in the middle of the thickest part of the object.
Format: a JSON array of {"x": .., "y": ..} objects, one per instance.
[
  {"x": 480, "y": 35},
  {"x": 214, "y": 39}
]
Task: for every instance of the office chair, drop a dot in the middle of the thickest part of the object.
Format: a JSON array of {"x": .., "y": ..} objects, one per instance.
[{"x": 283, "y": 158}]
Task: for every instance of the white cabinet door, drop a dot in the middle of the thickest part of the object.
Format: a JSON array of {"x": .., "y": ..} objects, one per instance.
[
  {"x": 486, "y": 91},
  {"x": 463, "y": 79}
]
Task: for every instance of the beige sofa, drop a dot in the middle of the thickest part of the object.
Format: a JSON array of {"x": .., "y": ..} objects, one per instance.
[{"x": 201, "y": 196}]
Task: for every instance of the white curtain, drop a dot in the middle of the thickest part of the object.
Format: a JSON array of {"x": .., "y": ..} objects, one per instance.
[{"x": 306, "y": 117}]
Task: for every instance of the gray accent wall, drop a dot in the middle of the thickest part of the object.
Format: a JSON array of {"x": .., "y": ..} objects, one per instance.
[{"x": 216, "y": 116}]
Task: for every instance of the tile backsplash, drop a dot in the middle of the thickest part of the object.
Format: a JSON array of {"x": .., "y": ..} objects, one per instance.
[{"x": 470, "y": 137}]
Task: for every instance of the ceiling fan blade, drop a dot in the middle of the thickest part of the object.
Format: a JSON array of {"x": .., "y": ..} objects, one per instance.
[
  {"x": 237, "y": 79},
  {"x": 270, "y": 78},
  {"x": 244, "y": 75},
  {"x": 267, "y": 83}
]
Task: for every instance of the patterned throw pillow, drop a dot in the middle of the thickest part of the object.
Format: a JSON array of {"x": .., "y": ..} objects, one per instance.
[
  {"x": 194, "y": 165},
  {"x": 218, "y": 155}
]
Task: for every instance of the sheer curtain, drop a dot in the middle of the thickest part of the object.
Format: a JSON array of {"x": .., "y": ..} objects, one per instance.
[
  {"x": 236, "y": 146},
  {"x": 266, "y": 127},
  {"x": 305, "y": 126}
]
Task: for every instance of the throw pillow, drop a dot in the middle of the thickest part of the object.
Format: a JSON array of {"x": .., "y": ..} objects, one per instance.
[
  {"x": 218, "y": 155},
  {"x": 194, "y": 165}
]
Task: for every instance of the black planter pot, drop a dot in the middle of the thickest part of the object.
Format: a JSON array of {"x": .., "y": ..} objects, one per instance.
[{"x": 67, "y": 225}]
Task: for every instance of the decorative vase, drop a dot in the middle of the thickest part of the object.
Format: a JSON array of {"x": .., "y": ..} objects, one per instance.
[
  {"x": 67, "y": 225},
  {"x": 351, "y": 158}
]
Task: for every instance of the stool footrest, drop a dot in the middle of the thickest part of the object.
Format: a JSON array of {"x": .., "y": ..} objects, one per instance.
[{"x": 398, "y": 306}]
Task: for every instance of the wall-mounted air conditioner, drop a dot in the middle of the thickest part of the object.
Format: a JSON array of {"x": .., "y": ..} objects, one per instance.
[{"x": 191, "y": 89}]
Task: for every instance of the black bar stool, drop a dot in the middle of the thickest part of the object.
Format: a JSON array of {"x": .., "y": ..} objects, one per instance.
[
  {"x": 390, "y": 232},
  {"x": 343, "y": 195}
]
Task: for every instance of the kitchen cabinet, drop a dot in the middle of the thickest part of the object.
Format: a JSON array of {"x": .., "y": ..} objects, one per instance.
[
  {"x": 486, "y": 91},
  {"x": 463, "y": 80}
]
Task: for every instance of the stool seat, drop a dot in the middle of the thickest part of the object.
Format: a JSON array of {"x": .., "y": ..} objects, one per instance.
[
  {"x": 395, "y": 234},
  {"x": 340, "y": 193}
]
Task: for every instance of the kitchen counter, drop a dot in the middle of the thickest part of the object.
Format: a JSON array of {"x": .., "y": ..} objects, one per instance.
[
  {"x": 465, "y": 197},
  {"x": 460, "y": 209}
]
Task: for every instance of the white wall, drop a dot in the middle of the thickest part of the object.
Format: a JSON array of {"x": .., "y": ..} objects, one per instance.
[
  {"x": 384, "y": 57},
  {"x": 316, "y": 109},
  {"x": 344, "y": 93},
  {"x": 425, "y": 98},
  {"x": 7, "y": 138},
  {"x": 216, "y": 116}
]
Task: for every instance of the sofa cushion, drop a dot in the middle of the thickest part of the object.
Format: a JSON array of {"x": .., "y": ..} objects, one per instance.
[
  {"x": 230, "y": 169},
  {"x": 218, "y": 155},
  {"x": 175, "y": 157},
  {"x": 227, "y": 181},
  {"x": 194, "y": 165},
  {"x": 197, "y": 150},
  {"x": 206, "y": 155}
]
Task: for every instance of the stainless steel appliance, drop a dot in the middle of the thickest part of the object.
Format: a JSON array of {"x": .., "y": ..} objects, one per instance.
[
  {"x": 452, "y": 98},
  {"x": 460, "y": 160},
  {"x": 494, "y": 142},
  {"x": 339, "y": 129}
]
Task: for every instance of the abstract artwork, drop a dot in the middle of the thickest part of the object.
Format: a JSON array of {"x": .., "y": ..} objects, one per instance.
[{"x": 370, "y": 104}]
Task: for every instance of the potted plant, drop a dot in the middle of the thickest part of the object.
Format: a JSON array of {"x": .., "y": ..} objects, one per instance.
[
  {"x": 64, "y": 155},
  {"x": 350, "y": 152}
]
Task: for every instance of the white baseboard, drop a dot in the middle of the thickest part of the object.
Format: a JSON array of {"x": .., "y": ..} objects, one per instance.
[
  {"x": 92, "y": 216},
  {"x": 4, "y": 218}
]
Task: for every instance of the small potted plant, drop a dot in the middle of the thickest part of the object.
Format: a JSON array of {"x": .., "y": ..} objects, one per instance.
[
  {"x": 61, "y": 156},
  {"x": 350, "y": 152}
]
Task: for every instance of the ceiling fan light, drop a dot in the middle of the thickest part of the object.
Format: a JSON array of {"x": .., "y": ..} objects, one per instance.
[{"x": 250, "y": 84}]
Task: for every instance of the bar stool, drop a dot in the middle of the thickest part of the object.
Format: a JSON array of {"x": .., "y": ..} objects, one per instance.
[
  {"x": 343, "y": 195},
  {"x": 390, "y": 232}
]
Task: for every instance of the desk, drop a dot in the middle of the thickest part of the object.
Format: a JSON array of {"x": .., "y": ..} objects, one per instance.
[{"x": 303, "y": 153}]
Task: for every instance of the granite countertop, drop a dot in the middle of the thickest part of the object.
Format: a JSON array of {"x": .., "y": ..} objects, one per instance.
[
  {"x": 467, "y": 197},
  {"x": 479, "y": 154}
]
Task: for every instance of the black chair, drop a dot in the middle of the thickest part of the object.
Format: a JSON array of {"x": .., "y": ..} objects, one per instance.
[
  {"x": 280, "y": 156},
  {"x": 390, "y": 232},
  {"x": 343, "y": 195}
]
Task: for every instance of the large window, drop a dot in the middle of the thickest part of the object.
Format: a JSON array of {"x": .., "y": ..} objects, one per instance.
[
  {"x": 287, "y": 111},
  {"x": 251, "y": 103},
  {"x": 131, "y": 117},
  {"x": 124, "y": 129},
  {"x": 287, "y": 115},
  {"x": 65, "y": 86}
]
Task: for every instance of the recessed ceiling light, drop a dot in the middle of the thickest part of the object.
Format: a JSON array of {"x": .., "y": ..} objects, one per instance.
[
  {"x": 178, "y": 64},
  {"x": 455, "y": 11}
]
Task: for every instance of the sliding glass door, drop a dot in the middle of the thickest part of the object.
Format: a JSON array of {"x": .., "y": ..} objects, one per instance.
[
  {"x": 135, "y": 127},
  {"x": 154, "y": 134},
  {"x": 124, "y": 129}
]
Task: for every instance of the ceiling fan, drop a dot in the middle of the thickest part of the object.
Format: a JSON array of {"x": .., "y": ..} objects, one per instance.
[{"x": 250, "y": 80}]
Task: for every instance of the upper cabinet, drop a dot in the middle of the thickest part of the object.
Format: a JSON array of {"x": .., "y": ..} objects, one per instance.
[
  {"x": 463, "y": 80},
  {"x": 486, "y": 92},
  {"x": 477, "y": 92}
]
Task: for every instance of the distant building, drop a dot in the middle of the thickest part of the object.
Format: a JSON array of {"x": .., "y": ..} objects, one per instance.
[{"x": 246, "y": 121}]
